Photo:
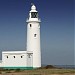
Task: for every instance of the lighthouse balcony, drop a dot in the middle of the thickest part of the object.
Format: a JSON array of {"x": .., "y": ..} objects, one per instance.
[{"x": 33, "y": 20}]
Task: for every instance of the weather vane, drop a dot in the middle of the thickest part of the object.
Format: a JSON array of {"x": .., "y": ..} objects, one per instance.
[{"x": 32, "y": 3}]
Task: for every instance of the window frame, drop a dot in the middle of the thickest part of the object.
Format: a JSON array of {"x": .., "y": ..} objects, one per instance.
[
  {"x": 7, "y": 56},
  {"x": 30, "y": 25},
  {"x": 34, "y": 14},
  {"x": 35, "y": 35},
  {"x": 14, "y": 56},
  {"x": 21, "y": 56}
]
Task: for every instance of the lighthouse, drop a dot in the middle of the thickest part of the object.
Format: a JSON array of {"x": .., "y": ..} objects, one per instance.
[
  {"x": 31, "y": 58},
  {"x": 33, "y": 36}
]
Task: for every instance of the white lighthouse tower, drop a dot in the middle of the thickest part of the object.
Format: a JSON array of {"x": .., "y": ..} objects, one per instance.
[{"x": 33, "y": 36}]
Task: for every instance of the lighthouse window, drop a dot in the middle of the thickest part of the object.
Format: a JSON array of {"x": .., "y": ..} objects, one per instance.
[
  {"x": 14, "y": 56},
  {"x": 21, "y": 56},
  {"x": 34, "y": 14},
  {"x": 35, "y": 35},
  {"x": 30, "y": 25},
  {"x": 7, "y": 56}
]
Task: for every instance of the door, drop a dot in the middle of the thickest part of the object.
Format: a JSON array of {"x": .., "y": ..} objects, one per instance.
[{"x": 29, "y": 60}]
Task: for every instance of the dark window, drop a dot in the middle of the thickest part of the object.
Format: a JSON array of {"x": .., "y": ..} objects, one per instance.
[
  {"x": 7, "y": 56},
  {"x": 35, "y": 35},
  {"x": 34, "y": 15},
  {"x": 14, "y": 56},
  {"x": 30, "y": 25},
  {"x": 29, "y": 56},
  {"x": 21, "y": 56}
]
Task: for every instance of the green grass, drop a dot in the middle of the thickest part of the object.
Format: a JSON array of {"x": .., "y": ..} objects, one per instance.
[
  {"x": 40, "y": 71},
  {"x": 52, "y": 71}
]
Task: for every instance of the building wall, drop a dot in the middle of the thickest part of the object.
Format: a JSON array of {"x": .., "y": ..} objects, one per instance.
[{"x": 15, "y": 59}]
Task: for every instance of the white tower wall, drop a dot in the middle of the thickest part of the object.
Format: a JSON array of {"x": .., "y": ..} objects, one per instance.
[{"x": 33, "y": 38}]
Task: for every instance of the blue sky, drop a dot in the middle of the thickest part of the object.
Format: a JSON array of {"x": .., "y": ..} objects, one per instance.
[{"x": 57, "y": 28}]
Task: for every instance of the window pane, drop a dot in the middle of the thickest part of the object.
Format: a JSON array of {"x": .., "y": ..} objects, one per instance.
[
  {"x": 35, "y": 35},
  {"x": 7, "y": 56},
  {"x": 34, "y": 14},
  {"x": 30, "y": 25},
  {"x": 14, "y": 56},
  {"x": 21, "y": 57}
]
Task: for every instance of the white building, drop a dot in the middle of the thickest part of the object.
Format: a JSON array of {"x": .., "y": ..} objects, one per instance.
[{"x": 32, "y": 57}]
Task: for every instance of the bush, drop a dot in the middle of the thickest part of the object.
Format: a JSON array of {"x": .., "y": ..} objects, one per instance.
[
  {"x": 49, "y": 67},
  {"x": 18, "y": 70}
]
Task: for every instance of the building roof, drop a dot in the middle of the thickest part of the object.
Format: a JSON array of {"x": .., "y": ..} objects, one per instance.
[{"x": 16, "y": 52}]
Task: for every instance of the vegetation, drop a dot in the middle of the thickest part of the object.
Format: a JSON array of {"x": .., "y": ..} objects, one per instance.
[{"x": 47, "y": 70}]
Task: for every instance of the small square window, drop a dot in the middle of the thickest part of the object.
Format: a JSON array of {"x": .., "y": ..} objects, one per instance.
[
  {"x": 14, "y": 56},
  {"x": 30, "y": 25},
  {"x": 21, "y": 56},
  {"x": 7, "y": 56},
  {"x": 35, "y": 35}
]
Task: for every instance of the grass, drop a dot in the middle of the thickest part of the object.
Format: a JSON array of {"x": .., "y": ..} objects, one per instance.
[
  {"x": 39, "y": 72},
  {"x": 51, "y": 71}
]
